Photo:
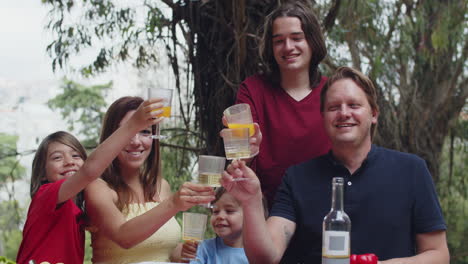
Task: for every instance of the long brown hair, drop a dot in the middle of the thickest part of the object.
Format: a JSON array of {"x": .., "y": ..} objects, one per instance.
[
  {"x": 149, "y": 173},
  {"x": 360, "y": 80},
  {"x": 39, "y": 173},
  {"x": 313, "y": 34}
]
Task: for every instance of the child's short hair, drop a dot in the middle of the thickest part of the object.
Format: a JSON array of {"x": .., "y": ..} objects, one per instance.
[{"x": 221, "y": 190}]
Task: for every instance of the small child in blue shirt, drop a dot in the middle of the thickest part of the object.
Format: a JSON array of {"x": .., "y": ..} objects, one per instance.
[{"x": 227, "y": 222}]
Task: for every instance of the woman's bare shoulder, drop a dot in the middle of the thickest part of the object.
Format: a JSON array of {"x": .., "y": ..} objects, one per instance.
[{"x": 100, "y": 188}]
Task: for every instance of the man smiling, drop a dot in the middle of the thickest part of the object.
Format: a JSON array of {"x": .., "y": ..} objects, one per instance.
[{"x": 389, "y": 195}]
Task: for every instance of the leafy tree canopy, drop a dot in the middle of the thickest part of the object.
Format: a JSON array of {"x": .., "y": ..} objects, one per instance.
[
  {"x": 11, "y": 214},
  {"x": 83, "y": 107},
  {"x": 10, "y": 169},
  {"x": 414, "y": 51}
]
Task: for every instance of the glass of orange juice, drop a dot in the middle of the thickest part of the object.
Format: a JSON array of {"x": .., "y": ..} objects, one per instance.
[
  {"x": 239, "y": 116},
  {"x": 166, "y": 95}
]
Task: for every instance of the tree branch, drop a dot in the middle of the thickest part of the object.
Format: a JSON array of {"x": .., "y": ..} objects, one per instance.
[
  {"x": 329, "y": 20},
  {"x": 193, "y": 149}
]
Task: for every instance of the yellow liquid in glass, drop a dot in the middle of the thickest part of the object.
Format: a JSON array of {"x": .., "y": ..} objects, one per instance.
[
  {"x": 166, "y": 111},
  {"x": 243, "y": 154},
  {"x": 191, "y": 238},
  {"x": 249, "y": 126},
  {"x": 210, "y": 179}
]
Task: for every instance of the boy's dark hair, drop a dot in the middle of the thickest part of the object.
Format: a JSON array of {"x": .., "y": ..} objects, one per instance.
[
  {"x": 221, "y": 190},
  {"x": 312, "y": 31}
]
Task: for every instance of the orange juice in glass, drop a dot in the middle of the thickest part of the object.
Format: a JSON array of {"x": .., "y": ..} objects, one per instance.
[
  {"x": 166, "y": 111},
  {"x": 240, "y": 116},
  {"x": 166, "y": 95},
  {"x": 249, "y": 126}
]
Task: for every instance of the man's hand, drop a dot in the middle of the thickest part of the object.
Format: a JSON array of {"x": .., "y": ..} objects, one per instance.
[{"x": 241, "y": 182}]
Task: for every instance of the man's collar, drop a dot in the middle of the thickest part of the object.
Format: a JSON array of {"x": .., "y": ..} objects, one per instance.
[{"x": 370, "y": 156}]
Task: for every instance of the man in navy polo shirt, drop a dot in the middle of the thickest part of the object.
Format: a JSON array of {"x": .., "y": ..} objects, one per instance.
[{"x": 389, "y": 195}]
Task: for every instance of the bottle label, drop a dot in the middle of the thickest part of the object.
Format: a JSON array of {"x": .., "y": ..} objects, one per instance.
[
  {"x": 335, "y": 261},
  {"x": 335, "y": 244}
]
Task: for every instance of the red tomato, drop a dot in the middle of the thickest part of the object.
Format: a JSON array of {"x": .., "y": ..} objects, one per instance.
[{"x": 353, "y": 259}]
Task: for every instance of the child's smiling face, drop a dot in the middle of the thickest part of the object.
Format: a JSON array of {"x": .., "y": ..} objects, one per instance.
[
  {"x": 62, "y": 162},
  {"x": 227, "y": 220}
]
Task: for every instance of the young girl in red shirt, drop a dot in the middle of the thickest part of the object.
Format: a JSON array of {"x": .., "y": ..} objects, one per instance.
[{"x": 54, "y": 228}]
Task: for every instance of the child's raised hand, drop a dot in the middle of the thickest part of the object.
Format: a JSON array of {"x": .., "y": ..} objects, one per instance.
[
  {"x": 189, "y": 250},
  {"x": 191, "y": 194}
]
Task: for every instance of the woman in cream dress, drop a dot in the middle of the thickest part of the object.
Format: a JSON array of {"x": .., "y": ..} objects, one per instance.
[{"x": 131, "y": 209}]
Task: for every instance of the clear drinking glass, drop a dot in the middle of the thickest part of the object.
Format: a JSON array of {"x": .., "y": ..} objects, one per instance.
[
  {"x": 193, "y": 227},
  {"x": 236, "y": 143},
  {"x": 239, "y": 116},
  {"x": 166, "y": 94},
  {"x": 210, "y": 169}
]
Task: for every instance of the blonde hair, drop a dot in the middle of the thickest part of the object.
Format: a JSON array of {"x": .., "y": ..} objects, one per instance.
[{"x": 360, "y": 80}]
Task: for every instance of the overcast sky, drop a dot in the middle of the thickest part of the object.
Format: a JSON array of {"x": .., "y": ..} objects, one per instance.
[
  {"x": 25, "y": 66},
  {"x": 23, "y": 42}
]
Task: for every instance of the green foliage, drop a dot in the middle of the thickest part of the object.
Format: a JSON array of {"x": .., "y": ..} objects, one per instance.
[
  {"x": 13, "y": 240},
  {"x": 453, "y": 191},
  {"x": 88, "y": 250},
  {"x": 177, "y": 163},
  {"x": 10, "y": 211},
  {"x": 10, "y": 170},
  {"x": 107, "y": 22},
  {"x": 10, "y": 221},
  {"x": 4, "y": 260},
  {"x": 83, "y": 107}
]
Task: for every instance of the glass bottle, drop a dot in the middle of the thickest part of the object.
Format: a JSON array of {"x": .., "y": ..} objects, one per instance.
[{"x": 336, "y": 228}]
